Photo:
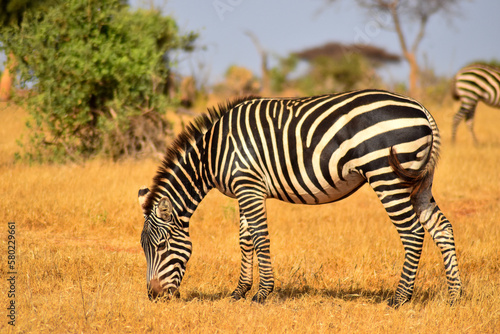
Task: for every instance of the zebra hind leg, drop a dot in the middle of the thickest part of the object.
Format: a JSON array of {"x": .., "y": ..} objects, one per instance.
[
  {"x": 457, "y": 118},
  {"x": 412, "y": 235},
  {"x": 246, "y": 273},
  {"x": 441, "y": 232},
  {"x": 469, "y": 121},
  {"x": 402, "y": 214},
  {"x": 467, "y": 111}
]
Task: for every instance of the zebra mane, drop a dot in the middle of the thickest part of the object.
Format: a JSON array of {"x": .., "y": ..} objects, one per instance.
[{"x": 198, "y": 127}]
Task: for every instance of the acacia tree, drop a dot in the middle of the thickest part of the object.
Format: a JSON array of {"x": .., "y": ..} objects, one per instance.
[
  {"x": 414, "y": 13},
  {"x": 337, "y": 66}
]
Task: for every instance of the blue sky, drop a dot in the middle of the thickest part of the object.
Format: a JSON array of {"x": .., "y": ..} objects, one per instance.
[{"x": 287, "y": 26}]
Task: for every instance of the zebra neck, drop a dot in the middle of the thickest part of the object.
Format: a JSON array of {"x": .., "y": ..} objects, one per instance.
[{"x": 185, "y": 183}]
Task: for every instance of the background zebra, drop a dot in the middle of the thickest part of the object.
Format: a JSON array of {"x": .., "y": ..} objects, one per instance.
[
  {"x": 310, "y": 150},
  {"x": 474, "y": 83}
]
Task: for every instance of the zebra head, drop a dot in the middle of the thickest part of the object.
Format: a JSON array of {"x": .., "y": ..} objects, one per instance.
[{"x": 166, "y": 245}]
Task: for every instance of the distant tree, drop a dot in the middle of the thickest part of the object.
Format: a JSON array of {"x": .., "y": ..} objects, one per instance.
[
  {"x": 264, "y": 67},
  {"x": 329, "y": 75},
  {"x": 279, "y": 75},
  {"x": 435, "y": 87},
  {"x": 375, "y": 55},
  {"x": 410, "y": 12},
  {"x": 238, "y": 81},
  {"x": 334, "y": 67},
  {"x": 97, "y": 77},
  {"x": 11, "y": 15}
]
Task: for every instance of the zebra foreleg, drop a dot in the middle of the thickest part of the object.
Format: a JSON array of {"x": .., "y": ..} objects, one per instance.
[
  {"x": 253, "y": 209},
  {"x": 246, "y": 273},
  {"x": 441, "y": 231}
]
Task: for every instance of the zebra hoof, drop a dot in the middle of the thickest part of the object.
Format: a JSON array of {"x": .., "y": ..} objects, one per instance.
[
  {"x": 395, "y": 302},
  {"x": 455, "y": 297},
  {"x": 236, "y": 296},
  {"x": 258, "y": 299}
]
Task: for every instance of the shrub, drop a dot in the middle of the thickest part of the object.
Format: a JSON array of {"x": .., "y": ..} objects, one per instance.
[{"x": 97, "y": 73}]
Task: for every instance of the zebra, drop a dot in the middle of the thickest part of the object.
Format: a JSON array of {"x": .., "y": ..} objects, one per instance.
[
  {"x": 311, "y": 150},
  {"x": 474, "y": 83}
]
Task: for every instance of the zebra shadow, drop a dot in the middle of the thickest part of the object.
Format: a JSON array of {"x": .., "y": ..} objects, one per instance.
[
  {"x": 372, "y": 296},
  {"x": 380, "y": 296},
  {"x": 283, "y": 294},
  {"x": 204, "y": 296}
]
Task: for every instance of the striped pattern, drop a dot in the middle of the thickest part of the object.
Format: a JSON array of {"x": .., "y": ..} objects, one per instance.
[
  {"x": 309, "y": 151},
  {"x": 472, "y": 84}
]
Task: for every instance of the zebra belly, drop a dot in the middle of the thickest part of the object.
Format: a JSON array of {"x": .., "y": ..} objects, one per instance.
[
  {"x": 341, "y": 189},
  {"x": 295, "y": 194}
]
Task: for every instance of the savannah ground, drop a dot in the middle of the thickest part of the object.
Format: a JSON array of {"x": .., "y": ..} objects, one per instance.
[{"x": 80, "y": 267}]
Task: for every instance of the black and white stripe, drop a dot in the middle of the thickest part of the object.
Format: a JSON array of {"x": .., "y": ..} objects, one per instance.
[
  {"x": 310, "y": 150},
  {"x": 472, "y": 84}
]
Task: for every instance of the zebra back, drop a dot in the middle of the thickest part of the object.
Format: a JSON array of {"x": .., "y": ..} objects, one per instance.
[{"x": 478, "y": 82}]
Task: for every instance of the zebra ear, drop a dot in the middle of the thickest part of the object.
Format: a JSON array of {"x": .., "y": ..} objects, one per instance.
[
  {"x": 164, "y": 209},
  {"x": 142, "y": 196}
]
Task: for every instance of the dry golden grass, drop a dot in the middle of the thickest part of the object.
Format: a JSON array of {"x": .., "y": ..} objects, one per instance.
[{"x": 81, "y": 268}]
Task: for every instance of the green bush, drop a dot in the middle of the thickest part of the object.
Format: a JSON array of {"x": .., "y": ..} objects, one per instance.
[
  {"x": 97, "y": 74},
  {"x": 279, "y": 75}
]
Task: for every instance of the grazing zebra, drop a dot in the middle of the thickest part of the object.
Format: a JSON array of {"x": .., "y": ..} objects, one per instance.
[
  {"x": 474, "y": 83},
  {"x": 309, "y": 150}
]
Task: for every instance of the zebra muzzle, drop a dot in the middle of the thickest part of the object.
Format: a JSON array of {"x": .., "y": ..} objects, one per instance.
[{"x": 156, "y": 292}]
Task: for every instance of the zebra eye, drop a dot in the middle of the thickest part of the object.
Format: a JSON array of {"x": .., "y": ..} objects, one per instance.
[{"x": 162, "y": 245}]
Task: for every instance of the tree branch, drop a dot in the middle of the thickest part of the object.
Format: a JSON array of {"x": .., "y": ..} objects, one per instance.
[
  {"x": 263, "y": 58},
  {"x": 421, "y": 33},
  {"x": 393, "y": 9}
]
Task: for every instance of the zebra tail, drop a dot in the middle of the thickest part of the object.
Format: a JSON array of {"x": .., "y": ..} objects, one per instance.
[
  {"x": 454, "y": 89},
  {"x": 454, "y": 94},
  {"x": 418, "y": 179}
]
